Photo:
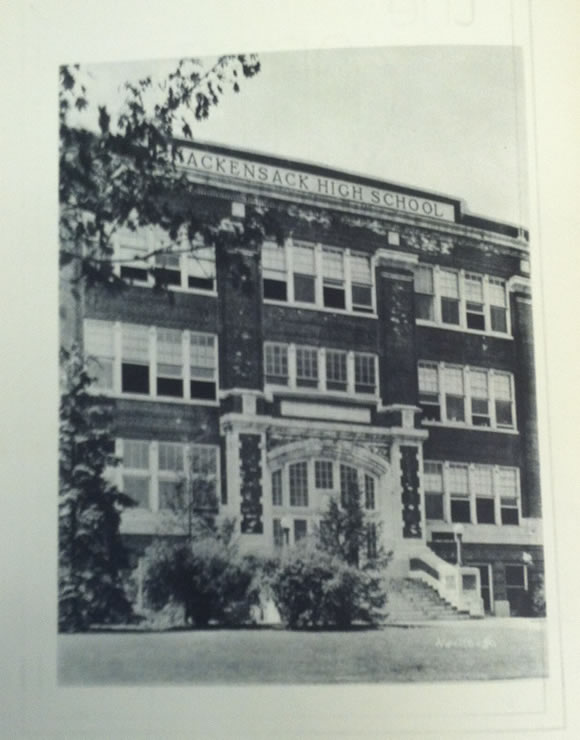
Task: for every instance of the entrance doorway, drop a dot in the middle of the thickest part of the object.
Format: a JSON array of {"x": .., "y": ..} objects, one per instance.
[{"x": 485, "y": 579}]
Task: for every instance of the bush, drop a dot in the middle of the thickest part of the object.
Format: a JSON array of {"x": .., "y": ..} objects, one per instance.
[
  {"x": 538, "y": 598},
  {"x": 208, "y": 577},
  {"x": 313, "y": 588}
]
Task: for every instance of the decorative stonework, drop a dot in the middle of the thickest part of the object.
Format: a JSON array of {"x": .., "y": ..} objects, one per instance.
[
  {"x": 410, "y": 498},
  {"x": 251, "y": 508}
]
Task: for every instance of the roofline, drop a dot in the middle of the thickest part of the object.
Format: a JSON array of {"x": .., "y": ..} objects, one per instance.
[{"x": 463, "y": 216}]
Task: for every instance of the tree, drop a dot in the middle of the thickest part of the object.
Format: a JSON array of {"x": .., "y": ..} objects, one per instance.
[
  {"x": 124, "y": 171},
  {"x": 207, "y": 576},
  {"x": 91, "y": 553},
  {"x": 338, "y": 579}
]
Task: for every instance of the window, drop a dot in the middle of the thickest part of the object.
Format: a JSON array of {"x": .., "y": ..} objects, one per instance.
[
  {"x": 424, "y": 293},
  {"x": 183, "y": 264},
  {"x": 169, "y": 363},
  {"x": 433, "y": 485},
  {"x": 498, "y": 305},
  {"x": 100, "y": 351},
  {"x": 300, "y": 529},
  {"x": 201, "y": 268},
  {"x": 364, "y": 373},
  {"x": 473, "y": 493},
  {"x": 361, "y": 283},
  {"x": 429, "y": 391},
  {"x": 298, "y": 481},
  {"x": 319, "y": 369},
  {"x": 516, "y": 582},
  {"x": 449, "y": 285},
  {"x": 459, "y": 493},
  {"x": 203, "y": 366},
  {"x": 278, "y": 533},
  {"x": 172, "y": 491},
  {"x": 466, "y": 300},
  {"x": 348, "y": 482},
  {"x": 466, "y": 395},
  {"x": 135, "y": 359},
  {"x": 370, "y": 502},
  {"x": 502, "y": 388},
  {"x": 165, "y": 475},
  {"x": 204, "y": 476},
  {"x": 136, "y": 475},
  {"x": 454, "y": 394},
  {"x": 274, "y": 272},
  {"x": 478, "y": 388},
  {"x": 509, "y": 496},
  {"x": 304, "y": 274},
  {"x": 482, "y": 486},
  {"x": 306, "y": 367},
  {"x": 474, "y": 311},
  {"x": 336, "y": 374},
  {"x": 134, "y": 246},
  {"x": 333, "y": 278},
  {"x": 318, "y": 276},
  {"x": 372, "y": 549},
  {"x": 323, "y": 477},
  {"x": 276, "y": 363},
  {"x": 277, "y": 488}
]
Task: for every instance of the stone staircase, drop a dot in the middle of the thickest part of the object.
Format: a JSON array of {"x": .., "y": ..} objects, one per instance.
[{"x": 410, "y": 600}]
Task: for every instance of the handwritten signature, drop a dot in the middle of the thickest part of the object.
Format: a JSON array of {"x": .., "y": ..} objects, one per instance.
[{"x": 486, "y": 643}]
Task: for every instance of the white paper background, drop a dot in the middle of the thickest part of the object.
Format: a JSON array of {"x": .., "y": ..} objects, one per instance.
[{"x": 36, "y": 37}]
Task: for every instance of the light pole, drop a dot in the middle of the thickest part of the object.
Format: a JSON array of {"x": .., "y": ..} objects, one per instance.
[{"x": 458, "y": 531}]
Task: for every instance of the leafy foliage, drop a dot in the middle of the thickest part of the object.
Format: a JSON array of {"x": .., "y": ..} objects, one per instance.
[
  {"x": 124, "y": 171},
  {"x": 207, "y": 576},
  {"x": 91, "y": 553},
  {"x": 313, "y": 588},
  {"x": 333, "y": 581}
]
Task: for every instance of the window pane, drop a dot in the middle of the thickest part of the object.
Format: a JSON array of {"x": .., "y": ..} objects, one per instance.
[
  {"x": 515, "y": 576},
  {"x": 134, "y": 378},
  {"x": 101, "y": 372},
  {"x": 485, "y": 509},
  {"x": 202, "y": 355},
  {"x": 300, "y": 529},
  {"x": 277, "y": 488},
  {"x": 307, "y": 367},
  {"x": 424, "y": 307},
  {"x": 135, "y": 343},
  {"x": 433, "y": 477},
  {"x": 333, "y": 264},
  {"x": 298, "y": 479},
  {"x": 434, "y": 506},
  {"x": 450, "y": 311},
  {"x": 172, "y": 495},
  {"x": 201, "y": 263},
  {"x": 498, "y": 319},
  {"x": 171, "y": 457},
  {"x": 448, "y": 284},
  {"x": 455, "y": 408},
  {"x": 275, "y": 289},
  {"x": 273, "y": 260},
  {"x": 333, "y": 297},
  {"x": 276, "y": 363},
  {"x": 364, "y": 373},
  {"x": 336, "y": 370},
  {"x": 98, "y": 338},
  {"x": 478, "y": 383},
  {"x": 497, "y": 292},
  {"x": 135, "y": 454},
  {"x": 348, "y": 482},
  {"x": 203, "y": 461},
  {"x": 502, "y": 387},
  {"x": 278, "y": 533},
  {"x": 453, "y": 377},
  {"x": 362, "y": 296},
  {"x": 474, "y": 288},
  {"x": 137, "y": 488},
  {"x": 360, "y": 269},
  {"x": 369, "y": 492},
  {"x": 460, "y": 511},
  {"x": 323, "y": 477},
  {"x": 303, "y": 260},
  {"x": 371, "y": 540},
  {"x": 304, "y": 290},
  {"x": 503, "y": 413},
  {"x": 424, "y": 279},
  {"x": 481, "y": 480},
  {"x": 458, "y": 480},
  {"x": 428, "y": 378}
]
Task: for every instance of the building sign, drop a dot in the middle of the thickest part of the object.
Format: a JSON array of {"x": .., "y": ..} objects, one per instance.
[{"x": 293, "y": 180}]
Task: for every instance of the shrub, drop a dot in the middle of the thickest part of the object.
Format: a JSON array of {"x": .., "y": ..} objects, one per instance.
[
  {"x": 313, "y": 588},
  {"x": 208, "y": 577}
]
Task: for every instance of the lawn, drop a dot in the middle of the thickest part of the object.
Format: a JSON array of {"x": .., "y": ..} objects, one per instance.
[{"x": 489, "y": 649}]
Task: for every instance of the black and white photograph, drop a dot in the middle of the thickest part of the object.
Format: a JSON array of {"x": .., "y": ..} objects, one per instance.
[{"x": 302, "y": 438}]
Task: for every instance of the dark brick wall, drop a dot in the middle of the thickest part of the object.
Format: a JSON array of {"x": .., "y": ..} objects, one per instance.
[
  {"x": 410, "y": 499},
  {"x": 460, "y": 445},
  {"x": 442, "y": 345},
  {"x": 141, "y": 305},
  {"x": 398, "y": 371},
  {"x": 526, "y": 405},
  {"x": 167, "y": 422},
  {"x": 498, "y": 556},
  {"x": 304, "y": 326},
  {"x": 251, "y": 507},
  {"x": 240, "y": 304}
]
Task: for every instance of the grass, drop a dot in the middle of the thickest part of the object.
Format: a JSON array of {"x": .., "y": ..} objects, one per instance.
[{"x": 452, "y": 651}]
